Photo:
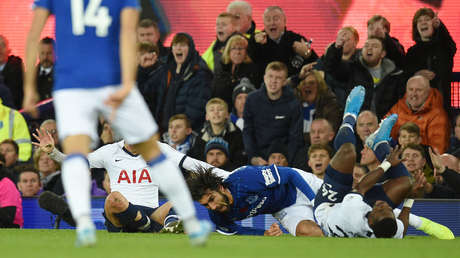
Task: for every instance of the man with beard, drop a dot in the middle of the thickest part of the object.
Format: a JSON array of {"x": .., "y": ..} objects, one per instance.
[
  {"x": 284, "y": 192},
  {"x": 45, "y": 68}
]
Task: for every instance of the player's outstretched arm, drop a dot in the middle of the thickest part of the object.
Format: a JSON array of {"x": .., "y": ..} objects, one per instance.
[
  {"x": 372, "y": 177},
  {"x": 30, "y": 86}
]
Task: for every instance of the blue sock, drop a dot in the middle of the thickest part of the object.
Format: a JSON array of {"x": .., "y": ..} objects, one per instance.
[
  {"x": 171, "y": 217},
  {"x": 127, "y": 218},
  {"x": 344, "y": 135},
  {"x": 349, "y": 119},
  {"x": 382, "y": 150}
]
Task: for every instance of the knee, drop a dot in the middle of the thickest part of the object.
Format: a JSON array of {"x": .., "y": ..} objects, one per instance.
[
  {"x": 348, "y": 150},
  {"x": 308, "y": 228},
  {"x": 116, "y": 202}
]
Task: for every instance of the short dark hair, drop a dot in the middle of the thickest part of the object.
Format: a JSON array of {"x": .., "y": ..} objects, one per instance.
[
  {"x": 19, "y": 169},
  {"x": 417, "y": 147},
  {"x": 377, "y": 18},
  {"x": 12, "y": 142},
  {"x": 410, "y": 127},
  {"x": 147, "y": 23},
  {"x": 385, "y": 228},
  {"x": 184, "y": 117},
  {"x": 315, "y": 147},
  {"x": 47, "y": 41},
  {"x": 148, "y": 47},
  {"x": 380, "y": 40},
  {"x": 201, "y": 180}
]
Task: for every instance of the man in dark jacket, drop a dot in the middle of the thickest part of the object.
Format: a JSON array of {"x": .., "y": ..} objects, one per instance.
[
  {"x": 272, "y": 113},
  {"x": 186, "y": 86},
  {"x": 11, "y": 68},
  {"x": 276, "y": 43},
  {"x": 383, "y": 81}
]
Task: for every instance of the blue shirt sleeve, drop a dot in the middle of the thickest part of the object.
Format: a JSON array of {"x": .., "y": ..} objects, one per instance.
[
  {"x": 258, "y": 179},
  {"x": 47, "y": 4},
  {"x": 227, "y": 227},
  {"x": 131, "y": 3}
]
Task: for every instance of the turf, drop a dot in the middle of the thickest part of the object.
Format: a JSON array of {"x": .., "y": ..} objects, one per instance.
[{"x": 34, "y": 243}]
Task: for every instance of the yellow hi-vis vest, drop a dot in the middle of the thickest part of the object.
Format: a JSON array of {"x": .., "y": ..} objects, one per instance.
[{"x": 13, "y": 126}]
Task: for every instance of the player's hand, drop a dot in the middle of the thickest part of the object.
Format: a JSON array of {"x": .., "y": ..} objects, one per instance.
[
  {"x": 395, "y": 156},
  {"x": 115, "y": 100},
  {"x": 426, "y": 73},
  {"x": 261, "y": 38},
  {"x": 45, "y": 141},
  {"x": 29, "y": 102},
  {"x": 274, "y": 230}
]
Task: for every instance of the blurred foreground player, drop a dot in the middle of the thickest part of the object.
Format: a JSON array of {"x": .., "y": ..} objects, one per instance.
[{"x": 96, "y": 45}]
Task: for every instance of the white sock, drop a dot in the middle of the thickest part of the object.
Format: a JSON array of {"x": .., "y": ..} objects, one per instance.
[
  {"x": 76, "y": 180},
  {"x": 172, "y": 184},
  {"x": 414, "y": 220}
]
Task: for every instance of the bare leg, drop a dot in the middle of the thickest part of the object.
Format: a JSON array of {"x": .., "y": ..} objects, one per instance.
[
  {"x": 308, "y": 228},
  {"x": 344, "y": 159}
]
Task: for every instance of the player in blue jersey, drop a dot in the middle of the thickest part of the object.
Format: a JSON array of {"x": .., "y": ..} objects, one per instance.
[
  {"x": 95, "y": 75},
  {"x": 284, "y": 192}
]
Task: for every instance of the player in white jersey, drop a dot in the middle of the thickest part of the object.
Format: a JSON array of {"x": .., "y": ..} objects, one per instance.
[
  {"x": 95, "y": 75},
  {"x": 367, "y": 210}
]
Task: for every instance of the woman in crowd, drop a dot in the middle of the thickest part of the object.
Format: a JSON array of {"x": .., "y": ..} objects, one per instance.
[
  {"x": 236, "y": 65},
  {"x": 318, "y": 101}
]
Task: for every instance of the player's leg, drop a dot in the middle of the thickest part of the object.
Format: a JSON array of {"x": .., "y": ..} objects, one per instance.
[
  {"x": 76, "y": 117},
  {"x": 345, "y": 157},
  {"x": 428, "y": 226},
  {"x": 166, "y": 216},
  {"x": 131, "y": 218},
  {"x": 133, "y": 111},
  {"x": 298, "y": 218},
  {"x": 308, "y": 228},
  {"x": 346, "y": 133}
]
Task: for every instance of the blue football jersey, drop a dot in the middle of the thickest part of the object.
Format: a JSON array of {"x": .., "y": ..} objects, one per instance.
[
  {"x": 259, "y": 190},
  {"x": 87, "y": 41}
]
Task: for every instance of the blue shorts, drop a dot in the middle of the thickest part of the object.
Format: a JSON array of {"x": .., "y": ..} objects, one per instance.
[
  {"x": 154, "y": 226},
  {"x": 335, "y": 186}
]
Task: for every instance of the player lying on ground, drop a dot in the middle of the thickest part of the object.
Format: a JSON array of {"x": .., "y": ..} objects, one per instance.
[
  {"x": 284, "y": 192},
  {"x": 132, "y": 204},
  {"x": 367, "y": 210},
  {"x": 217, "y": 175}
]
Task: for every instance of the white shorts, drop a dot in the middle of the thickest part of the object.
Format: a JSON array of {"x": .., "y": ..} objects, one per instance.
[
  {"x": 291, "y": 216},
  {"x": 77, "y": 112}
]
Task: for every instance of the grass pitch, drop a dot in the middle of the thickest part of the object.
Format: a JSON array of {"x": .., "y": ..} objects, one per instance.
[{"x": 35, "y": 243}]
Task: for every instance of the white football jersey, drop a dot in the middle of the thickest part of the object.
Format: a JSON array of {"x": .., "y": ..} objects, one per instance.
[
  {"x": 128, "y": 174},
  {"x": 348, "y": 218}
]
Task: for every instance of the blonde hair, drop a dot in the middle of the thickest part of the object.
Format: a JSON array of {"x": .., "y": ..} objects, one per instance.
[
  {"x": 217, "y": 101},
  {"x": 235, "y": 40},
  {"x": 353, "y": 32}
]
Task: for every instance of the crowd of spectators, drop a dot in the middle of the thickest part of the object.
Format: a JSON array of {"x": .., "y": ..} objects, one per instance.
[{"x": 264, "y": 97}]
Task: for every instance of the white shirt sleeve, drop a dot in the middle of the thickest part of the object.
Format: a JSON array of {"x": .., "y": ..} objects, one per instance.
[
  {"x": 188, "y": 163},
  {"x": 95, "y": 158}
]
